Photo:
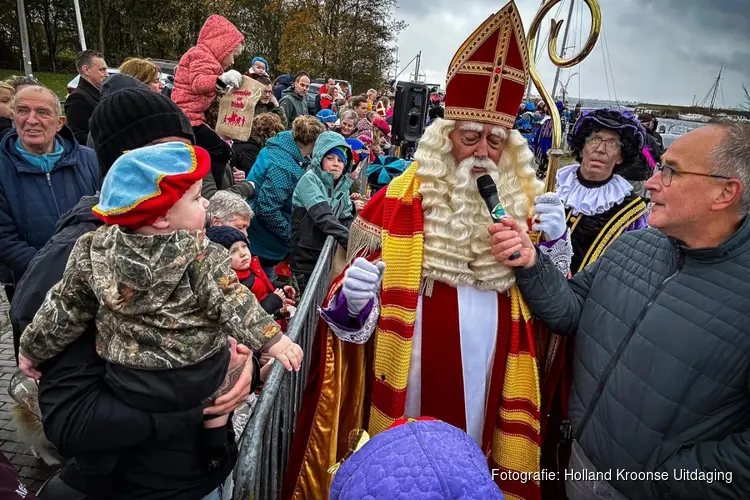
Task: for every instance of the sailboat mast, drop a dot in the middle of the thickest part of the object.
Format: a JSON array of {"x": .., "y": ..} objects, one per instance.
[
  {"x": 716, "y": 91},
  {"x": 562, "y": 50}
]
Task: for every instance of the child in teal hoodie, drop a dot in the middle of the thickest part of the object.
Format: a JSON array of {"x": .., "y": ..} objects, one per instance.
[{"x": 321, "y": 206}]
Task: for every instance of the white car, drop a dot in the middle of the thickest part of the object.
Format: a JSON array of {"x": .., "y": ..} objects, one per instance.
[{"x": 73, "y": 84}]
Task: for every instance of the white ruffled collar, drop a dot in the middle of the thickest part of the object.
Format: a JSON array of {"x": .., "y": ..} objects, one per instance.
[{"x": 590, "y": 200}]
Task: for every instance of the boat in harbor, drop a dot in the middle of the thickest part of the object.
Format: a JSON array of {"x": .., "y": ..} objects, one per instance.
[{"x": 694, "y": 117}]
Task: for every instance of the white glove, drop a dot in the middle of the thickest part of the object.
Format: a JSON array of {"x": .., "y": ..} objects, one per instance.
[
  {"x": 232, "y": 78},
  {"x": 551, "y": 211},
  {"x": 362, "y": 284}
]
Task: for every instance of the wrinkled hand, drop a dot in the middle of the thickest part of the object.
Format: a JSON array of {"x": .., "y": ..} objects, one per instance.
[
  {"x": 274, "y": 101},
  {"x": 238, "y": 175},
  {"x": 326, "y": 96},
  {"x": 240, "y": 356},
  {"x": 290, "y": 292},
  {"x": 232, "y": 78},
  {"x": 359, "y": 205},
  {"x": 507, "y": 238},
  {"x": 28, "y": 367},
  {"x": 289, "y": 353},
  {"x": 362, "y": 284},
  {"x": 356, "y": 196},
  {"x": 551, "y": 214}
]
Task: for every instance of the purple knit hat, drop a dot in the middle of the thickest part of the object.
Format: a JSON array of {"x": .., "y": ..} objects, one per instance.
[{"x": 418, "y": 460}]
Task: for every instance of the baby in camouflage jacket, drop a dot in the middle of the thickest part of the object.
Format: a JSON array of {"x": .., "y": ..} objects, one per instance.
[{"x": 164, "y": 298}]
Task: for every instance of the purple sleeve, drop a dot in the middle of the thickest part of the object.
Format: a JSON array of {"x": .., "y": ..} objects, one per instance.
[
  {"x": 336, "y": 314},
  {"x": 550, "y": 244},
  {"x": 640, "y": 223}
]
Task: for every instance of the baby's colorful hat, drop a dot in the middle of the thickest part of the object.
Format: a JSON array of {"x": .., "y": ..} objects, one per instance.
[
  {"x": 258, "y": 58},
  {"x": 143, "y": 184},
  {"x": 418, "y": 459}
]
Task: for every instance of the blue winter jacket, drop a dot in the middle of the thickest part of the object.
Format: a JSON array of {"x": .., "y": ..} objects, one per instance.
[
  {"x": 276, "y": 172},
  {"x": 32, "y": 201}
]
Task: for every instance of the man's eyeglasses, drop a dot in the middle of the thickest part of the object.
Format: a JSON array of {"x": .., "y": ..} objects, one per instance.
[
  {"x": 610, "y": 144},
  {"x": 668, "y": 172}
]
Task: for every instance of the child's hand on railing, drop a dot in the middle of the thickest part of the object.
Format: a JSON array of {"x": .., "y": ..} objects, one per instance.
[{"x": 289, "y": 353}]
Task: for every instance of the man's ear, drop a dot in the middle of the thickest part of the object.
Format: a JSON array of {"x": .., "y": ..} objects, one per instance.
[
  {"x": 215, "y": 221},
  {"x": 730, "y": 193},
  {"x": 61, "y": 123},
  {"x": 161, "y": 223}
]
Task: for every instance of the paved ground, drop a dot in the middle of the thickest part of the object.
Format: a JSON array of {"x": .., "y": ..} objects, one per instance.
[{"x": 33, "y": 472}]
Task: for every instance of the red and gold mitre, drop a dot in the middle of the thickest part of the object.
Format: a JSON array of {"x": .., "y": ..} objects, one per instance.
[{"x": 487, "y": 76}]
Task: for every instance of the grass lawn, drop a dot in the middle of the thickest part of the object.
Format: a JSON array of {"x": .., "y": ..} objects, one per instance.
[{"x": 55, "y": 81}]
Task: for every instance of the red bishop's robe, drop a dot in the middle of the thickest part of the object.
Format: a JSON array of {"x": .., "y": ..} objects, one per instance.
[{"x": 476, "y": 372}]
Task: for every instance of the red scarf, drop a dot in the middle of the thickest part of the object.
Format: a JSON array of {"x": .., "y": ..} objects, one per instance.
[{"x": 262, "y": 286}]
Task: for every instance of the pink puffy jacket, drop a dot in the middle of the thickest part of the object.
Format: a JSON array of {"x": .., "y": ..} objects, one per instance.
[{"x": 195, "y": 78}]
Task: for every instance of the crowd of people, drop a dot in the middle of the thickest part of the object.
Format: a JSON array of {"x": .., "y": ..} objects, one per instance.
[{"x": 153, "y": 266}]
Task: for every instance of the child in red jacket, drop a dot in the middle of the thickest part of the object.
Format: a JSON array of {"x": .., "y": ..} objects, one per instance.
[
  {"x": 277, "y": 301},
  {"x": 204, "y": 66}
]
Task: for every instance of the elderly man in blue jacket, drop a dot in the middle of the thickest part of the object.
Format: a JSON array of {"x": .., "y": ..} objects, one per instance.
[{"x": 43, "y": 174}]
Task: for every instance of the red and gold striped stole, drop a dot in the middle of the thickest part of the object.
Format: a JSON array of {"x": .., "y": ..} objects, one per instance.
[
  {"x": 402, "y": 242},
  {"x": 515, "y": 442}
]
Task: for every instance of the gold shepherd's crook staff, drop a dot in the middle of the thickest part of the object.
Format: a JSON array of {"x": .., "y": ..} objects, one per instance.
[{"x": 556, "y": 151}]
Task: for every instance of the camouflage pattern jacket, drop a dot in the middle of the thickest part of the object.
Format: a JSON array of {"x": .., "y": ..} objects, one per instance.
[{"x": 160, "y": 302}]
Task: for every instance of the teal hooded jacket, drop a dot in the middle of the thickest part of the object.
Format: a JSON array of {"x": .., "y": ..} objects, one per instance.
[
  {"x": 276, "y": 172},
  {"x": 321, "y": 206}
]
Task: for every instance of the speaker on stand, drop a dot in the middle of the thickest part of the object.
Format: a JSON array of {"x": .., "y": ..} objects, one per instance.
[{"x": 409, "y": 116}]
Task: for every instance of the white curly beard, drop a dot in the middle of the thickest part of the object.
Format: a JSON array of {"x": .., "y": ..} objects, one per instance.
[{"x": 456, "y": 238}]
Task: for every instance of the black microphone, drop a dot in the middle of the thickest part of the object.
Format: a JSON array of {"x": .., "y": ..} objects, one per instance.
[{"x": 488, "y": 192}]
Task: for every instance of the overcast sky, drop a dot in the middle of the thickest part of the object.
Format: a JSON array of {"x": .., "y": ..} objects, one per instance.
[{"x": 660, "y": 51}]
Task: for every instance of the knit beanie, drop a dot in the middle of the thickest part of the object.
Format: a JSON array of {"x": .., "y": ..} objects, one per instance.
[
  {"x": 338, "y": 151},
  {"x": 326, "y": 116},
  {"x": 364, "y": 127},
  {"x": 226, "y": 236},
  {"x": 258, "y": 58},
  {"x": 143, "y": 184},
  {"x": 134, "y": 117}
]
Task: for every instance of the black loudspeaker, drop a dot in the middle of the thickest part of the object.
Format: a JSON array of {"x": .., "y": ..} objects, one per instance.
[{"x": 409, "y": 112}]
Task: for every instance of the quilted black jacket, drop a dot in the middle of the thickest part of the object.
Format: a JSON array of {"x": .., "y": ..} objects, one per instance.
[{"x": 661, "y": 380}]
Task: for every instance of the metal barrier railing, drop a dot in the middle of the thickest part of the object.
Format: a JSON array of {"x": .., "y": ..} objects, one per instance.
[
  {"x": 267, "y": 438},
  {"x": 363, "y": 176}
]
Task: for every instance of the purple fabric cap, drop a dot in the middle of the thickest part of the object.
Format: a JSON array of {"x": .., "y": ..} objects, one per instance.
[
  {"x": 422, "y": 460},
  {"x": 612, "y": 119}
]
